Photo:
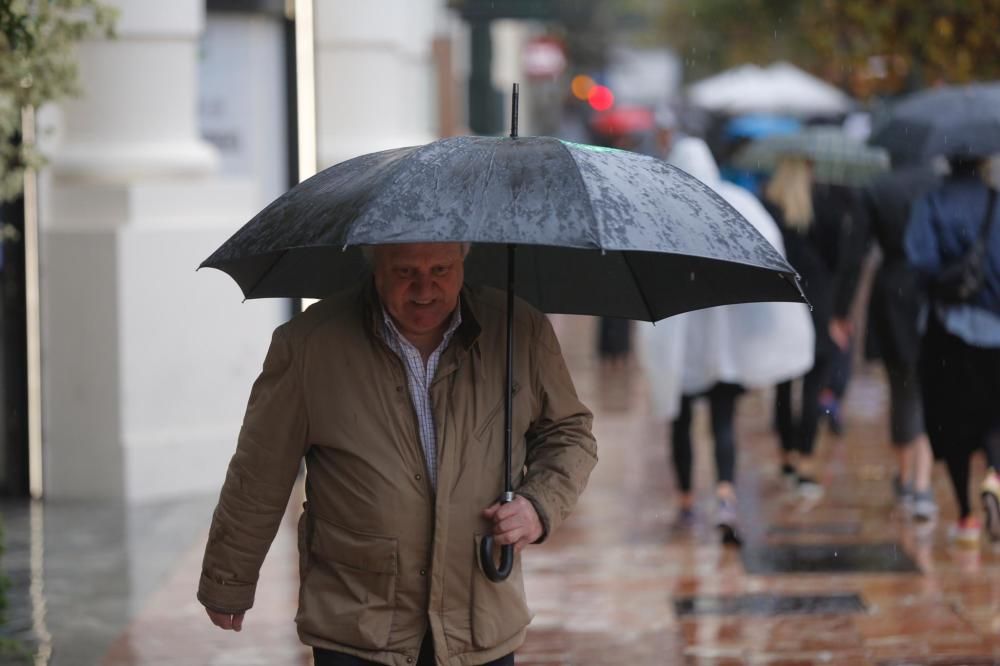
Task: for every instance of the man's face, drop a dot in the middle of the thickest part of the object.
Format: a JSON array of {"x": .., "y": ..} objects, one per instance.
[{"x": 418, "y": 283}]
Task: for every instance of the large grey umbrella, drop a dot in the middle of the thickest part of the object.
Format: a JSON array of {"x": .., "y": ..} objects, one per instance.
[
  {"x": 959, "y": 121},
  {"x": 596, "y": 231}
]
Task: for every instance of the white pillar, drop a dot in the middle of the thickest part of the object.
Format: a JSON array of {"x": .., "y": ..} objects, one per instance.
[
  {"x": 375, "y": 80},
  {"x": 147, "y": 365}
]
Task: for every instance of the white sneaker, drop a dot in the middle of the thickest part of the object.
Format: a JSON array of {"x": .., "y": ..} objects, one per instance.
[
  {"x": 922, "y": 506},
  {"x": 810, "y": 489}
]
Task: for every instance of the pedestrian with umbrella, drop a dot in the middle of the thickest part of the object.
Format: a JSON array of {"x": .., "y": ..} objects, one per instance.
[
  {"x": 893, "y": 332},
  {"x": 813, "y": 197},
  {"x": 953, "y": 242},
  {"x": 435, "y": 414}
]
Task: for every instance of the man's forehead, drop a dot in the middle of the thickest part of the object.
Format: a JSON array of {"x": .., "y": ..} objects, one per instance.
[{"x": 420, "y": 252}]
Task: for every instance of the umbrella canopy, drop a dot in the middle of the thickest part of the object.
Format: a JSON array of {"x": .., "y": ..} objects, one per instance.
[
  {"x": 837, "y": 159},
  {"x": 781, "y": 88},
  {"x": 598, "y": 231},
  {"x": 954, "y": 121}
]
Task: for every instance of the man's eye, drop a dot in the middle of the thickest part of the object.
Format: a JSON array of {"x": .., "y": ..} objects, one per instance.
[
  {"x": 439, "y": 271},
  {"x": 404, "y": 272}
]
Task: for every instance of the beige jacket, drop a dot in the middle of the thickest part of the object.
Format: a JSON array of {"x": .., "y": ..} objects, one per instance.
[{"x": 383, "y": 557}]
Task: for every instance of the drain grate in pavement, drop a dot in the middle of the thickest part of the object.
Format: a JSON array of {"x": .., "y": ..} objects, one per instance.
[
  {"x": 828, "y": 558},
  {"x": 826, "y": 529},
  {"x": 771, "y": 604}
]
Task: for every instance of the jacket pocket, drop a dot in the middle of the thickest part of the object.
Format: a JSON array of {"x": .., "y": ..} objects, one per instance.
[
  {"x": 499, "y": 610},
  {"x": 494, "y": 413},
  {"x": 349, "y": 586}
]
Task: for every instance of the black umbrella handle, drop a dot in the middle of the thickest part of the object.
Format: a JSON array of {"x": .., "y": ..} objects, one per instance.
[{"x": 497, "y": 575}]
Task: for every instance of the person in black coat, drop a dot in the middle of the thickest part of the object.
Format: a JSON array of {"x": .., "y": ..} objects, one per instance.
[
  {"x": 893, "y": 317},
  {"x": 812, "y": 247}
]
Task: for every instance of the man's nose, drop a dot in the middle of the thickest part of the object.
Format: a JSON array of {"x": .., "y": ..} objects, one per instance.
[{"x": 422, "y": 286}]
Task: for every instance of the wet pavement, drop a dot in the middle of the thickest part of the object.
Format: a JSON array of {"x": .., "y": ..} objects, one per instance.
[{"x": 840, "y": 580}]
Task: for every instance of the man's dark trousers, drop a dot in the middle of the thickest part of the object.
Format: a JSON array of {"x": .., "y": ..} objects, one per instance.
[{"x": 330, "y": 658}]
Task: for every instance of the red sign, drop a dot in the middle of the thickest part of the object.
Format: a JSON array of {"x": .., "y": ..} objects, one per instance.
[{"x": 543, "y": 58}]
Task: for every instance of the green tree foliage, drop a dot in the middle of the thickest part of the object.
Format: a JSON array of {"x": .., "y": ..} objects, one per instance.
[
  {"x": 868, "y": 47},
  {"x": 38, "y": 65},
  {"x": 712, "y": 35},
  {"x": 892, "y": 45}
]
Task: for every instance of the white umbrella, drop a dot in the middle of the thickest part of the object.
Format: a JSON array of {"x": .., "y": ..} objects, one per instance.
[{"x": 781, "y": 88}]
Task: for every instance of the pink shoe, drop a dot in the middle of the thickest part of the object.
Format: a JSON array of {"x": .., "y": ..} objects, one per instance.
[
  {"x": 990, "y": 493},
  {"x": 965, "y": 533}
]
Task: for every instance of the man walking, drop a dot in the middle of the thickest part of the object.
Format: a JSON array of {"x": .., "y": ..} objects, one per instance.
[{"x": 392, "y": 393}]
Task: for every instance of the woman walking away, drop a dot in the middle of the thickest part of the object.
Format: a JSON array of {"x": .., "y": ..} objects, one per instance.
[
  {"x": 953, "y": 241},
  {"x": 812, "y": 245},
  {"x": 717, "y": 352}
]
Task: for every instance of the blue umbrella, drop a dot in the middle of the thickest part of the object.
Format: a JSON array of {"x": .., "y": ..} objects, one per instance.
[{"x": 756, "y": 125}]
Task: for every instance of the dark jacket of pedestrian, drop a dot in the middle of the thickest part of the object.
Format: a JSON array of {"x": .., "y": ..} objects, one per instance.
[
  {"x": 896, "y": 297},
  {"x": 814, "y": 251},
  {"x": 943, "y": 226}
]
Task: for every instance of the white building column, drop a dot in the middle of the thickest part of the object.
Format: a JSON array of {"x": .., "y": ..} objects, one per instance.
[
  {"x": 147, "y": 365},
  {"x": 376, "y": 85}
]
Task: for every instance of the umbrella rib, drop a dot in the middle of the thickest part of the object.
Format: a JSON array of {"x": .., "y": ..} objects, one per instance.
[{"x": 638, "y": 286}]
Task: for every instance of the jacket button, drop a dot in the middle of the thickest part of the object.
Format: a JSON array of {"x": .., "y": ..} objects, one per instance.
[
  {"x": 409, "y": 660},
  {"x": 418, "y": 477},
  {"x": 423, "y": 572}
]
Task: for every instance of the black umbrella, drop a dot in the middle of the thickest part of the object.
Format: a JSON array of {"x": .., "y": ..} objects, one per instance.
[
  {"x": 959, "y": 121},
  {"x": 597, "y": 231}
]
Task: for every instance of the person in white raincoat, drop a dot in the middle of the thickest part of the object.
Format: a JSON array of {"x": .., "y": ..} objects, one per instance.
[{"x": 719, "y": 352}]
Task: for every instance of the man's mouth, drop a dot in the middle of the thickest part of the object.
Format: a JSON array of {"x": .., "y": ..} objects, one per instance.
[{"x": 423, "y": 303}]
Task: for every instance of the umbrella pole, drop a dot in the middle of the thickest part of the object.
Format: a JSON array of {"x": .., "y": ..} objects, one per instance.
[
  {"x": 486, "y": 545},
  {"x": 508, "y": 405}
]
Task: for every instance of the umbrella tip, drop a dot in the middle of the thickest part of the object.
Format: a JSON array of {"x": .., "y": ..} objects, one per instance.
[{"x": 513, "y": 111}]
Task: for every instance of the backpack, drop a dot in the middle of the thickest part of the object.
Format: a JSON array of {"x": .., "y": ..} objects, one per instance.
[{"x": 960, "y": 280}]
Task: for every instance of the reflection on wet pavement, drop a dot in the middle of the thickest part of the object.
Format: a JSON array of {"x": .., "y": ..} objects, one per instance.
[
  {"x": 770, "y": 604},
  {"x": 843, "y": 580},
  {"x": 828, "y": 558},
  {"x": 829, "y": 529}
]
